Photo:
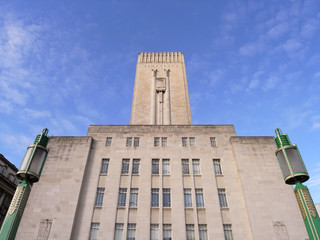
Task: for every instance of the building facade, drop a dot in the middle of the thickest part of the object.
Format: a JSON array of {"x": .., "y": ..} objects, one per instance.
[
  {"x": 8, "y": 185},
  {"x": 161, "y": 177}
]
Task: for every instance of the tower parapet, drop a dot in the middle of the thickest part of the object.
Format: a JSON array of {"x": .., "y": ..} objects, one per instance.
[{"x": 160, "y": 57}]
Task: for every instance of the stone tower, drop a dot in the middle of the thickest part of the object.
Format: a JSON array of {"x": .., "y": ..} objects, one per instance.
[{"x": 160, "y": 92}]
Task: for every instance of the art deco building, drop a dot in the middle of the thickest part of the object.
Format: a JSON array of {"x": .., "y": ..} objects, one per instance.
[{"x": 162, "y": 177}]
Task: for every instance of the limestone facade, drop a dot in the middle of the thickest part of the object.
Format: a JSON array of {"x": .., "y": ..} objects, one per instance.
[
  {"x": 160, "y": 94},
  {"x": 162, "y": 176}
]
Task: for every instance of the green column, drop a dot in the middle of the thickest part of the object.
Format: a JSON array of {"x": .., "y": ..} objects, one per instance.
[
  {"x": 14, "y": 214},
  {"x": 308, "y": 211}
]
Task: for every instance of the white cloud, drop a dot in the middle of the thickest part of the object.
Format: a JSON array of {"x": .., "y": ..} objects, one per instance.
[
  {"x": 33, "y": 113},
  {"x": 16, "y": 142},
  {"x": 270, "y": 83},
  {"x": 310, "y": 28},
  {"x": 278, "y": 31},
  {"x": 13, "y": 94},
  {"x": 254, "y": 83},
  {"x": 253, "y": 48},
  {"x": 292, "y": 46},
  {"x": 5, "y": 106},
  {"x": 316, "y": 126},
  {"x": 316, "y": 75},
  {"x": 215, "y": 76}
]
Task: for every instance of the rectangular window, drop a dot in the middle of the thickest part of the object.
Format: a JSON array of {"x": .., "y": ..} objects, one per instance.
[
  {"x": 187, "y": 197},
  {"x": 131, "y": 233},
  {"x": 135, "y": 166},
  {"x": 167, "y": 232},
  {"x": 125, "y": 166},
  {"x": 155, "y": 166},
  {"x": 118, "y": 231},
  {"x": 213, "y": 142},
  {"x": 165, "y": 166},
  {"x": 104, "y": 166},
  {"x": 203, "y": 232},
  {"x": 199, "y": 198},
  {"x": 155, "y": 197},
  {"x": 184, "y": 141},
  {"x": 163, "y": 141},
  {"x": 196, "y": 166},
  {"x": 133, "y": 197},
  {"x": 227, "y": 231},
  {"x": 122, "y": 197},
  {"x": 222, "y": 198},
  {"x": 192, "y": 141},
  {"x": 166, "y": 197},
  {"x": 185, "y": 166},
  {"x": 94, "y": 231},
  {"x": 108, "y": 141},
  {"x": 156, "y": 141},
  {"x": 154, "y": 232},
  {"x": 190, "y": 231},
  {"x": 129, "y": 142},
  {"x": 99, "y": 197},
  {"x": 136, "y": 141},
  {"x": 217, "y": 167}
]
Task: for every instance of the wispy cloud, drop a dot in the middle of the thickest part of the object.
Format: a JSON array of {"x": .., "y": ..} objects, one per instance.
[
  {"x": 251, "y": 49},
  {"x": 278, "y": 30}
]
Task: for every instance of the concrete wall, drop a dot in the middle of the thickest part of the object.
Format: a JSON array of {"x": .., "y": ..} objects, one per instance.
[
  {"x": 268, "y": 199},
  {"x": 53, "y": 200},
  {"x": 256, "y": 194}
]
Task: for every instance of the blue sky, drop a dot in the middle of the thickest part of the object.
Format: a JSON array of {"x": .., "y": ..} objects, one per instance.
[{"x": 67, "y": 64}]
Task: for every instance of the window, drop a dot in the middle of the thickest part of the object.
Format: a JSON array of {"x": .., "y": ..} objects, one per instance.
[
  {"x": 217, "y": 167},
  {"x": 136, "y": 141},
  {"x": 213, "y": 142},
  {"x": 125, "y": 166},
  {"x": 156, "y": 141},
  {"x": 133, "y": 197},
  {"x": 187, "y": 197},
  {"x": 122, "y": 197},
  {"x": 155, "y": 197},
  {"x": 94, "y": 231},
  {"x": 3, "y": 170},
  {"x": 222, "y": 198},
  {"x": 166, "y": 197},
  {"x": 99, "y": 197},
  {"x": 135, "y": 166},
  {"x": 199, "y": 198},
  {"x": 185, "y": 166},
  {"x": 190, "y": 231},
  {"x": 192, "y": 141},
  {"x": 131, "y": 233},
  {"x": 196, "y": 166},
  {"x": 154, "y": 232},
  {"x": 165, "y": 166},
  {"x": 203, "y": 232},
  {"x": 104, "y": 166},
  {"x": 155, "y": 166},
  {"x": 108, "y": 141},
  {"x": 129, "y": 142},
  {"x": 184, "y": 141},
  {"x": 163, "y": 141},
  {"x": 118, "y": 231},
  {"x": 227, "y": 231},
  {"x": 167, "y": 232}
]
